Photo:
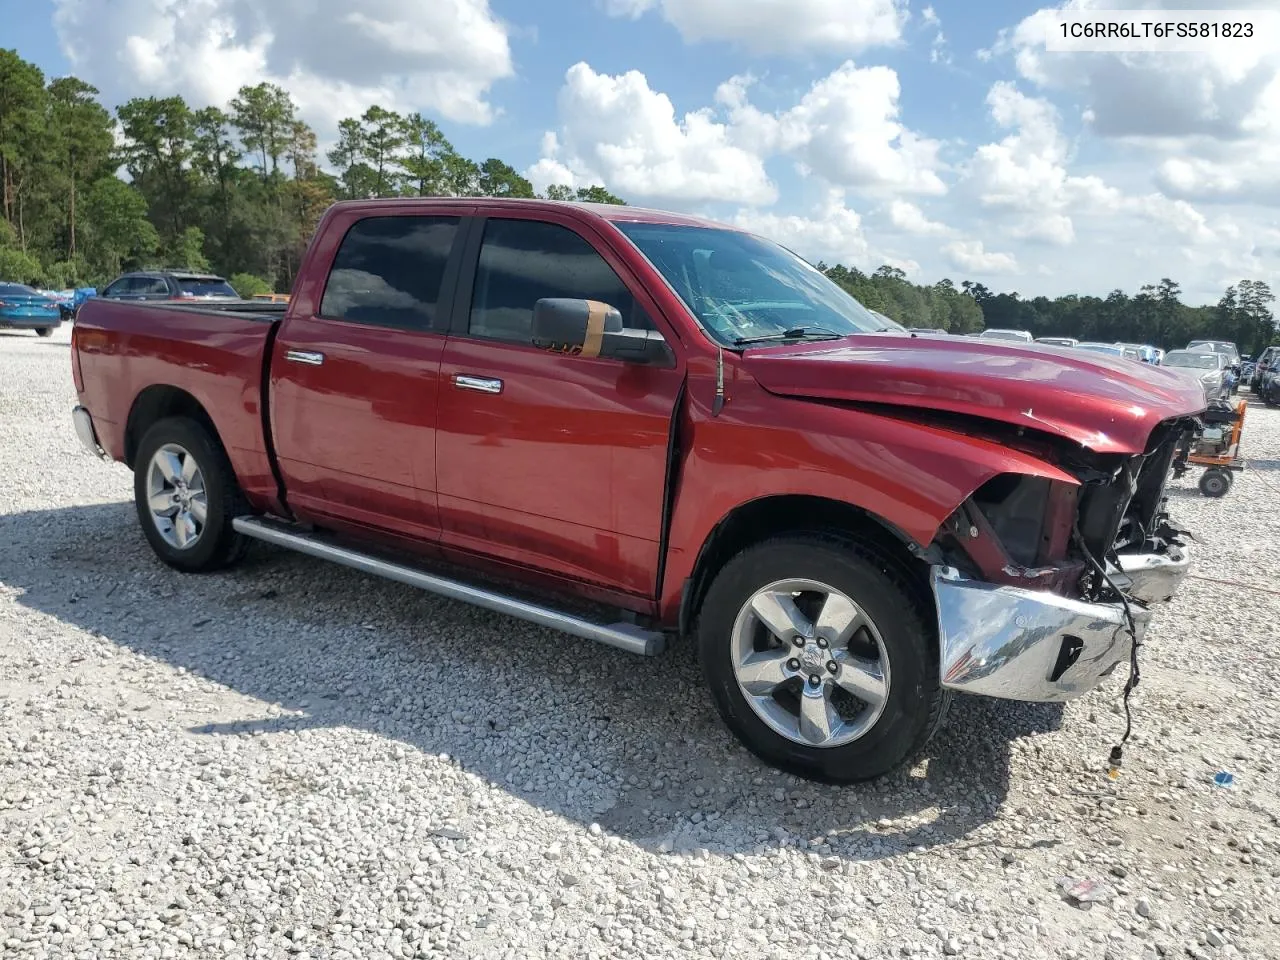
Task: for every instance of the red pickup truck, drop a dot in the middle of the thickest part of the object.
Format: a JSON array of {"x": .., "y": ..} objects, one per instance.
[{"x": 635, "y": 426}]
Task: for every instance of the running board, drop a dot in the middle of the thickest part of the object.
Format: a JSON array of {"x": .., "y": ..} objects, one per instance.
[{"x": 624, "y": 636}]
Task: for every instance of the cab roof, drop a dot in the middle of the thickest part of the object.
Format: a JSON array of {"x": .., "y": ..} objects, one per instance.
[{"x": 616, "y": 213}]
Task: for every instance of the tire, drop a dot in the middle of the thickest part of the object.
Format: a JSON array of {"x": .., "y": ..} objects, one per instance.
[
  {"x": 897, "y": 641},
  {"x": 178, "y": 442},
  {"x": 44, "y": 331},
  {"x": 1215, "y": 483}
]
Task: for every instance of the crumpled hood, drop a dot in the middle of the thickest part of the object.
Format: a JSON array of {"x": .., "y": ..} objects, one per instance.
[{"x": 1105, "y": 404}]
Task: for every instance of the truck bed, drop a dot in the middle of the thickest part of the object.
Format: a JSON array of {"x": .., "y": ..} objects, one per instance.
[{"x": 128, "y": 354}]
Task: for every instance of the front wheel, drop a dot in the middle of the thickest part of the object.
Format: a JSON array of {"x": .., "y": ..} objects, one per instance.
[
  {"x": 44, "y": 331},
  {"x": 821, "y": 658},
  {"x": 186, "y": 496}
]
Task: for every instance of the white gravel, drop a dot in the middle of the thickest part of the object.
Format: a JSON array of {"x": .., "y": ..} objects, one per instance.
[{"x": 292, "y": 759}]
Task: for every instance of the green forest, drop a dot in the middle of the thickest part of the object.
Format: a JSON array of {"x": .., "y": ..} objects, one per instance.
[{"x": 238, "y": 188}]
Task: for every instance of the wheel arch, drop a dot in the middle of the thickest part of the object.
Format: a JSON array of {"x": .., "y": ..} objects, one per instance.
[
  {"x": 154, "y": 404},
  {"x": 770, "y": 516}
]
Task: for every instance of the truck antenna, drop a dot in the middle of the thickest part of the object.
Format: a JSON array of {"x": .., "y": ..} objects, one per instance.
[{"x": 718, "y": 405}]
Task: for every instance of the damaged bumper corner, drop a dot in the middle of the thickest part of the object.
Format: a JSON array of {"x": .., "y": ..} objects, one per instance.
[
  {"x": 1152, "y": 577},
  {"x": 1036, "y": 646}
]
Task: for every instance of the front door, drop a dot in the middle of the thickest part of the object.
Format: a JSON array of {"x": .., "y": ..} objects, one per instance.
[
  {"x": 552, "y": 461},
  {"x": 354, "y": 385}
]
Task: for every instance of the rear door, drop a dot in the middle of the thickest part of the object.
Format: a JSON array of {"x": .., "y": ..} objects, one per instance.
[
  {"x": 551, "y": 461},
  {"x": 354, "y": 372}
]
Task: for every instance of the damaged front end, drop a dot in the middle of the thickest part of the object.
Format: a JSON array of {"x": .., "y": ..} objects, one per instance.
[{"x": 1043, "y": 587}]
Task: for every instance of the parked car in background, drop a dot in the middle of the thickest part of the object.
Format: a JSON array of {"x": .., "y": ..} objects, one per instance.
[
  {"x": 886, "y": 323},
  {"x": 271, "y": 298},
  {"x": 1224, "y": 347},
  {"x": 1267, "y": 386},
  {"x": 1209, "y": 368},
  {"x": 600, "y": 403},
  {"x": 995, "y": 333},
  {"x": 1058, "y": 341},
  {"x": 1098, "y": 347},
  {"x": 25, "y": 308},
  {"x": 1115, "y": 349},
  {"x": 1267, "y": 360},
  {"x": 1146, "y": 352},
  {"x": 169, "y": 285}
]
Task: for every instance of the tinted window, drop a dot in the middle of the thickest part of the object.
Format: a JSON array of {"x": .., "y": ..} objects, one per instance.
[
  {"x": 116, "y": 288},
  {"x": 522, "y": 261},
  {"x": 389, "y": 270},
  {"x": 205, "y": 287},
  {"x": 150, "y": 286}
]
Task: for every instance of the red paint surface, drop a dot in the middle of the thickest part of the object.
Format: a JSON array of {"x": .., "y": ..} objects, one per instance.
[{"x": 1106, "y": 404}]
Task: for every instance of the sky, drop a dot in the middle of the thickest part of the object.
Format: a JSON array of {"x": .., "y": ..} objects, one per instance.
[{"x": 942, "y": 138}]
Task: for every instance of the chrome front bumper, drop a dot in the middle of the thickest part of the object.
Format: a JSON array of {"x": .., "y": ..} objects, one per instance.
[
  {"x": 86, "y": 432},
  {"x": 1036, "y": 646}
]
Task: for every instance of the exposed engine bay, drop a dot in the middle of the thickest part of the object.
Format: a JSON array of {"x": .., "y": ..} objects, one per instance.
[{"x": 1043, "y": 534}]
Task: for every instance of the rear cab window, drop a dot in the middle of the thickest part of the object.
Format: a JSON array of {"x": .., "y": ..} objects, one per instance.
[{"x": 389, "y": 272}]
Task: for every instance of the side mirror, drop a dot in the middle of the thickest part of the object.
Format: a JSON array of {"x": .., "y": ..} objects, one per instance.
[{"x": 591, "y": 328}]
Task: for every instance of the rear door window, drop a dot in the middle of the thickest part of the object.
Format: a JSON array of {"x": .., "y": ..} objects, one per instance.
[{"x": 389, "y": 271}]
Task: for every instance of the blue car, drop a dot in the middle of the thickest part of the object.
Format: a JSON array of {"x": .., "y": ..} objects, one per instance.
[{"x": 22, "y": 308}]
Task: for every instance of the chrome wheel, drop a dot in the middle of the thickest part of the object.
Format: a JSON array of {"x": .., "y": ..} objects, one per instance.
[
  {"x": 176, "y": 496},
  {"x": 810, "y": 662}
]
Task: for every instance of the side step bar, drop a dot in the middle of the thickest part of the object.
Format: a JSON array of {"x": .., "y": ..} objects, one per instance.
[{"x": 624, "y": 636}]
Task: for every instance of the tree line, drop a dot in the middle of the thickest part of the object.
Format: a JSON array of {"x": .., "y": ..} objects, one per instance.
[
  {"x": 239, "y": 188},
  {"x": 236, "y": 188},
  {"x": 1154, "y": 315}
]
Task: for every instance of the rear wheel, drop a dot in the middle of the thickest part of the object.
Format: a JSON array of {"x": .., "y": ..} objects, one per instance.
[
  {"x": 821, "y": 659},
  {"x": 44, "y": 331},
  {"x": 186, "y": 497}
]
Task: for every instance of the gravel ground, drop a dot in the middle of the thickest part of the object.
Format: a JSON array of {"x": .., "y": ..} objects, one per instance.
[{"x": 292, "y": 759}]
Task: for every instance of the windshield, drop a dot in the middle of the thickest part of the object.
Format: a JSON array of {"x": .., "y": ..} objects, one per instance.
[
  {"x": 1200, "y": 361},
  {"x": 741, "y": 287},
  {"x": 1110, "y": 348},
  {"x": 206, "y": 287},
  {"x": 15, "y": 290}
]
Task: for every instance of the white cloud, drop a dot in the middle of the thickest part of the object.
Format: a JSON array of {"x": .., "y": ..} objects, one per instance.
[
  {"x": 1210, "y": 121},
  {"x": 335, "y": 56},
  {"x": 619, "y": 132},
  {"x": 972, "y": 256},
  {"x": 938, "y": 46},
  {"x": 833, "y": 232},
  {"x": 909, "y": 218},
  {"x": 770, "y": 26},
  {"x": 844, "y": 129}
]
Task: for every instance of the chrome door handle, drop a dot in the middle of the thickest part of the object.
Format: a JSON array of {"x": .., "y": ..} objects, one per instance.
[
  {"x": 305, "y": 356},
  {"x": 482, "y": 384}
]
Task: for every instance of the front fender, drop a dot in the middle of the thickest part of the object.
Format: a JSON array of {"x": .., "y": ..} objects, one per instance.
[{"x": 910, "y": 475}]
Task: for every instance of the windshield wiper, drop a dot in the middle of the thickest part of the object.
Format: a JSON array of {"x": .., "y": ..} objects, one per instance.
[{"x": 795, "y": 333}]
